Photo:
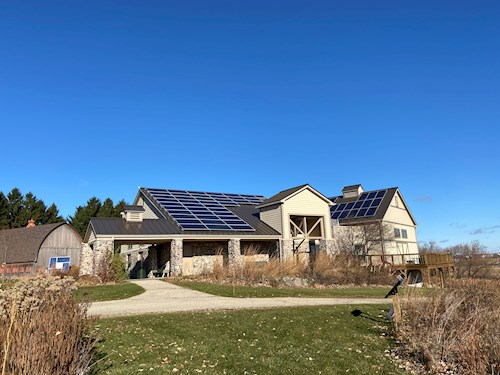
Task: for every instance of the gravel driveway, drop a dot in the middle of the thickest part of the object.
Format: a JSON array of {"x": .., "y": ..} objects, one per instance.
[{"x": 163, "y": 297}]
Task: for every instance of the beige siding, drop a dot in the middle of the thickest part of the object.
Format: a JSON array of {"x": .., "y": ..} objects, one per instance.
[
  {"x": 63, "y": 241},
  {"x": 397, "y": 213},
  {"x": 306, "y": 203},
  {"x": 272, "y": 217},
  {"x": 148, "y": 213}
]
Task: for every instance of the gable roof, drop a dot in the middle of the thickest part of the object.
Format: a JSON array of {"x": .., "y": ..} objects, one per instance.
[
  {"x": 381, "y": 211},
  {"x": 285, "y": 194},
  {"x": 21, "y": 245},
  {"x": 165, "y": 227}
]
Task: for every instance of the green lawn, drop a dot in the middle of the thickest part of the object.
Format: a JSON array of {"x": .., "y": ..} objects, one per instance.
[
  {"x": 304, "y": 340},
  {"x": 107, "y": 292},
  {"x": 249, "y": 291}
]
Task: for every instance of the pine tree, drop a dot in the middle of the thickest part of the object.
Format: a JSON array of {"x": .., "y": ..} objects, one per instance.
[
  {"x": 4, "y": 211},
  {"x": 16, "y": 206},
  {"x": 106, "y": 209},
  {"x": 80, "y": 220},
  {"x": 33, "y": 208},
  {"x": 52, "y": 215}
]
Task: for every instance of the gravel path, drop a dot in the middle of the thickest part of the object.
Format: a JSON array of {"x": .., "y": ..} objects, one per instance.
[{"x": 163, "y": 297}]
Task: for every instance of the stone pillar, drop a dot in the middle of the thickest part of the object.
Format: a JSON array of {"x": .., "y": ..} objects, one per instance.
[
  {"x": 234, "y": 257},
  {"x": 176, "y": 256},
  {"x": 153, "y": 257},
  {"x": 286, "y": 249},
  {"x": 102, "y": 249},
  {"x": 328, "y": 246},
  {"x": 86, "y": 260}
]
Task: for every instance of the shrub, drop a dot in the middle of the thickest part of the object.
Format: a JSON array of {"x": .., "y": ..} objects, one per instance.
[
  {"x": 111, "y": 268},
  {"x": 457, "y": 327},
  {"x": 43, "y": 330}
]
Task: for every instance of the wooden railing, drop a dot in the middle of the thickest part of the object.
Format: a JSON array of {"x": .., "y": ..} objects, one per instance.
[{"x": 430, "y": 259}]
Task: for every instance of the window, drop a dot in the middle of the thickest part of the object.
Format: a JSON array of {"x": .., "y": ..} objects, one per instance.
[
  {"x": 397, "y": 233},
  {"x": 59, "y": 263},
  {"x": 404, "y": 233}
]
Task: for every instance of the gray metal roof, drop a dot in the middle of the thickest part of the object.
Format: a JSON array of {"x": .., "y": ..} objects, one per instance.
[
  {"x": 21, "y": 245},
  {"x": 160, "y": 227},
  {"x": 133, "y": 208},
  {"x": 281, "y": 195}
]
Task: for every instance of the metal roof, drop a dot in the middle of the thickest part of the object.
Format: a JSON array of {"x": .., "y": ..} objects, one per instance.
[{"x": 160, "y": 227}]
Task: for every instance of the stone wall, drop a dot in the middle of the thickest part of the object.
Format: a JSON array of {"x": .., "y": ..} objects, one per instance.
[
  {"x": 102, "y": 249},
  {"x": 86, "y": 260},
  {"x": 176, "y": 255},
  {"x": 328, "y": 246},
  {"x": 234, "y": 252},
  {"x": 286, "y": 249},
  {"x": 204, "y": 264}
]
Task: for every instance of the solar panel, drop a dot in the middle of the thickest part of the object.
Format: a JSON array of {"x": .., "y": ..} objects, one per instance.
[
  {"x": 365, "y": 206},
  {"x": 197, "y": 210}
]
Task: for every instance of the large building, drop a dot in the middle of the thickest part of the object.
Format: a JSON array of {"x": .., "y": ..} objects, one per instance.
[{"x": 187, "y": 232}]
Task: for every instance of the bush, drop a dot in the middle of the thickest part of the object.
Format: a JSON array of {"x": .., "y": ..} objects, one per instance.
[
  {"x": 43, "y": 330},
  {"x": 456, "y": 329},
  {"x": 111, "y": 268}
]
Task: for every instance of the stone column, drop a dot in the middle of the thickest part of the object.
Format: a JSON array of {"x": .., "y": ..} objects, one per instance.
[
  {"x": 176, "y": 256},
  {"x": 286, "y": 249},
  {"x": 153, "y": 257},
  {"x": 102, "y": 249},
  {"x": 328, "y": 246},
  {"x": 86, "y": 260},
  {"x": 234, "y": 257}
]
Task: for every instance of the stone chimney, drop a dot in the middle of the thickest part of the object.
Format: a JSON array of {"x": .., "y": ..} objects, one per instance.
[{"x": 31, "y": 223}]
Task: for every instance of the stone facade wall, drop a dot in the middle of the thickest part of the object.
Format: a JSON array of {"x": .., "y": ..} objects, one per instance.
[
  {"x": 234, "y": 252},
  {"x": 86, "y": 260},
  {"x": 102, "y": 249},
  {"x": 328, "y": 246},
  {"x": 204, "y": 264},
  {"x": 176, "y": 255}
]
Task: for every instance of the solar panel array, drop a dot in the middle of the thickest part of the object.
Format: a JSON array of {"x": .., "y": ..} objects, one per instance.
[
  {"x": 194, "y": 210},
  {"x": 365, "y": 206}
]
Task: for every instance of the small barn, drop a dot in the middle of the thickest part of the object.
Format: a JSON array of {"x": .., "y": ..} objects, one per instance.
[{"x": 38, "y": 248}]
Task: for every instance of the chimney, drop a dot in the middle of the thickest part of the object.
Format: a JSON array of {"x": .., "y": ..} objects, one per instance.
[{"x": 31, "y": 223}]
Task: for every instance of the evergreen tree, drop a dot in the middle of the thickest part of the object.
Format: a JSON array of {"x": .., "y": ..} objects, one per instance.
[
  {"x": 4, "y": 211},
  {"x": 80, "y": 220},
  {"x": 52, "y": 215},
  {"x": 118, "y": 209},
  {"x": 32, "y": 209},
  {"x": 16, "y": 206},
  {"x": 106, "y": 209}
]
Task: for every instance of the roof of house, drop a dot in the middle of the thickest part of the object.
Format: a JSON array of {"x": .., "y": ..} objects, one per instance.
[
  {"x": 281, "y": 195},
  {"x": 129, "y": 207},
  {"x": 152, "y": 227},
  {"x": 21, "y": 245},
  {"x": 379, "y": 214}
]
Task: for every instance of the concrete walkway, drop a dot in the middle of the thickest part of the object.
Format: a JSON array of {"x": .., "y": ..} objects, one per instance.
[{"x": 163, "y": 297}]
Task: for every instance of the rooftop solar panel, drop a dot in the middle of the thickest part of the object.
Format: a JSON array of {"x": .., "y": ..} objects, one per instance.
[
  {"x": 365, "y": 206},
  {"x": 196, "y": 210}
]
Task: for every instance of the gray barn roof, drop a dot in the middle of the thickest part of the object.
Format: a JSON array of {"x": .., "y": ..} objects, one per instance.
[{"x": 21, "y": 245}]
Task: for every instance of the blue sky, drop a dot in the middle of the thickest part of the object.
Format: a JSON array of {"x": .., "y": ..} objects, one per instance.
[{"x": 100, "y": 97}]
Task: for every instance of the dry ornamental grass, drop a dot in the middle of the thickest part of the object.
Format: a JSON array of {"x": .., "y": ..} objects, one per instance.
[{"x": 43, "y": 330}]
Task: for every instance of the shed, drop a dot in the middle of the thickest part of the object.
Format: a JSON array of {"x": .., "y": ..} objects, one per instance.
[{"x": 25, "y": 251}]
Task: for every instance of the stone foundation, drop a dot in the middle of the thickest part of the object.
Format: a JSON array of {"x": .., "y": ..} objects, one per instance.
[
  {"x": 286, "y": 249},
  {"x": 86, "y": 260},
  {"x": 234, "y": 252}
]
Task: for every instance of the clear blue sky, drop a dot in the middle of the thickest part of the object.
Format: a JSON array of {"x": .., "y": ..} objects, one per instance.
[{"x": 100, "y": 97}]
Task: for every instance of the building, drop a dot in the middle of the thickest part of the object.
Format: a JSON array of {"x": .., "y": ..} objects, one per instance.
[
  {"x": 188, "y": 232},
  {"x": 26, "y": 251},
  {"x": 373, "y": 223}
]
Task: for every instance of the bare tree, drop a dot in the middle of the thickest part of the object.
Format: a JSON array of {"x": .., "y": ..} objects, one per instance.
[
  {"x": 363, "y": 239},
  {"x": 472, "y": 261}
]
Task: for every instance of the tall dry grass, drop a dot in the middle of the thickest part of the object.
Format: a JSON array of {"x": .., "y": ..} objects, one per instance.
[
  {"x": 43, "y": 330},
  {"x": 457, "y": 328},
  {"x": 325, "y": 269}
]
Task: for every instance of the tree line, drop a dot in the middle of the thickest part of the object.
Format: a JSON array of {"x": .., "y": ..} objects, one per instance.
[{"x": 16, "y": 209}]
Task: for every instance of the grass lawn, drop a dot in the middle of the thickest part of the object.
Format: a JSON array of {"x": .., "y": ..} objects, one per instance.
[
  {"x": 249, "y": 291},
  {"x": 107, "y": 292},
  {"x": 303, "y": 340}
]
